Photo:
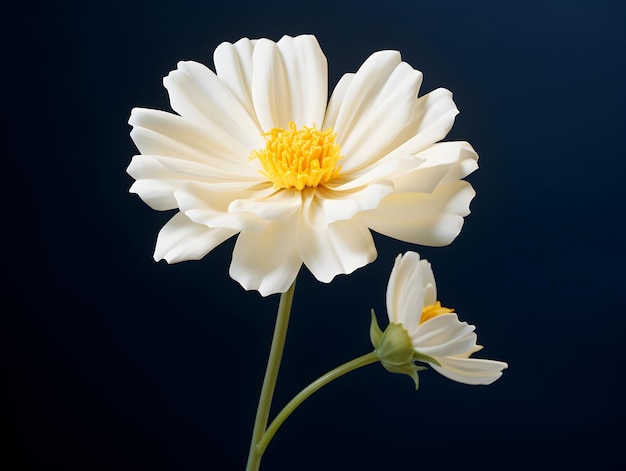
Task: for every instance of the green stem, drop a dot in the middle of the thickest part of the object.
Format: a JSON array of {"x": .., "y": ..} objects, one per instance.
[
  {"x": 320, "y": 382},
  {"x": 271, "y": 374}
]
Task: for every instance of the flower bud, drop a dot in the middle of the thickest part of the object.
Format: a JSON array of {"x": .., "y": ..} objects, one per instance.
[{"x": 394, "y": 349}]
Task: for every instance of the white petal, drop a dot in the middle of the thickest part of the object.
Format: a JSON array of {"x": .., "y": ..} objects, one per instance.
[
  {"x": 160, "y": 133},
  {"x": 375, "y": 108},
  {"x": 337, "y": 248},
  {"x": 468, "y": 162},
  {"x": 336, "y": 99},
  {"x": 207, "y": 206},
  {"x": 441, "y": 163},
  {"x": 233, "y": 64},
  {"x": 279, "y": 205},
  {"x": 470, "y": 370},
  {"x": 428, "y": 281},
  {"x": 432, "y": 119},
  {"x": 420, "y": 218},
  {"x": 289, "y": 82},
  {"x": 307, "y": 72},
  {"x": 189, "y": 171},
  {"x": 269, "y": 86},
  {"x": 443, "y": 335},
  {"x": 157, "y": 178},
  {"x": 405, "y": 290},
  {"x": 197, "y": 94},
  {"x": 182, "y": 239},
  {"x": 341, "y": 205},
  {"x": 375, "y": 172},
  {"x": 154, "y": 183},
  {"x": 268, "y": 260}
]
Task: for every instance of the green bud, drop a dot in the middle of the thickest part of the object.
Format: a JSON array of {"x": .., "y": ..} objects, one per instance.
[
  {"x": 395, "y": 347},
  {"x": 395, "y": 350}
]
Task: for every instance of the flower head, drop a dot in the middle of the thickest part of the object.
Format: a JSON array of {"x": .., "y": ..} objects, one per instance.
[
  {"x": 421, "y": 329},
  {"x": 255, "y": 149}
]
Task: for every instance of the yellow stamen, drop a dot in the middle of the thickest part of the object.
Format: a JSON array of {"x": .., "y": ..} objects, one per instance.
[
  {"x": 299, "y": 158},
  {"x": 432, "y": 311}
]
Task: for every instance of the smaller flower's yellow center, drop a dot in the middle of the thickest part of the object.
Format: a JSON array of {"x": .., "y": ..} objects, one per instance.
[
  {"x": 432, "y": 311},
  {"x": 298, "y": 158}
]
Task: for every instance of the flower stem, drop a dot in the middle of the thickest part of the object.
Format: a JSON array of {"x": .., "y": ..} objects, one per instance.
[
  {"x": 271, "y": 374},
  {"x": 320, "y": 382}
]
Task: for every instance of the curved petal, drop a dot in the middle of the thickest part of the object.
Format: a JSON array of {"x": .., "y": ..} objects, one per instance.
[
  {"x": 333, "y": 249},
  {"x": 375, "y": 108},
  {"x": 420, "y": 218},
  {"x": 208, "y": 206},
  {"x": 268, "y": 260},
  {"x": 341, "y": 205},
  {"x": 157, "y": 178},
  {"x": 154, "y": 183},
  {"x": 160, "y": 133},
  {"x": 428, "y": 280},
  {"x": 405, "y": 290},
  {"x": 289, "y": 82},
  {"x": 373, "y": 173},
  {"x": 443, "y": 162},
  {"x": 189, "y": 171},
  {"x": 181, "y": 239},
  {"x": 467, "y": 163},
  {"x": 443, "y": 335},
  {"x": 470, "y": 370},
  {"x": 233, "y": 65},
  {"x": 307, "y": 77},
  {"x": 279, "y": 205},
  {"x": 336, "y": 99},
  {"x": 432, "y": 118},
  {"x": 197, "y": 94}
]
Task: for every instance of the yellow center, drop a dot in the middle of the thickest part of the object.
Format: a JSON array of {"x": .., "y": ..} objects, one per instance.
[
  {"x": 432, "y": 311},
  {"x": 298, "y": 158}
]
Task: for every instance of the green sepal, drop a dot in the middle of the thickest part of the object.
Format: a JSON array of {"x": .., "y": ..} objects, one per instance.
[
  {"x": 425, "y": 358},
  {"x": 408, "y": 369},
  {"x": 375, "y": 332},
  {"x": 415, "y": 378}
]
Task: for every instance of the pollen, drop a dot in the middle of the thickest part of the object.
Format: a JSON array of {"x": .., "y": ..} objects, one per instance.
[
  {"x": 432, "y": 311},
  {"x": 299, "y": 158}
]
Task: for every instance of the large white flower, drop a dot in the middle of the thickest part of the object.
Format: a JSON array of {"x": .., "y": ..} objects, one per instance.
[
  {"x": 257, "y": 150},
  {"x": 420, "y": 328}
]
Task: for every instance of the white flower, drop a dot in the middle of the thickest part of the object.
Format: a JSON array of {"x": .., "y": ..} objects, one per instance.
[
  {"x": 257, "y": 150},
  {"x": 420, "y": 329}
]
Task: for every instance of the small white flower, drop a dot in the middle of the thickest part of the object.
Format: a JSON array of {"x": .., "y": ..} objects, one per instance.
[
  {"x": 255, "y": 149},
  {"x": 421, "y": 329}
]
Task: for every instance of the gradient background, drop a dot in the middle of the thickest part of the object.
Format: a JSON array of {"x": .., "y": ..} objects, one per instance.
[{"x": 111, "y": 361}]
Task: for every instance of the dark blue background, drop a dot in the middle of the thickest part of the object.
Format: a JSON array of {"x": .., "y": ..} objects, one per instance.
[{"x": 113, "y": 362}]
